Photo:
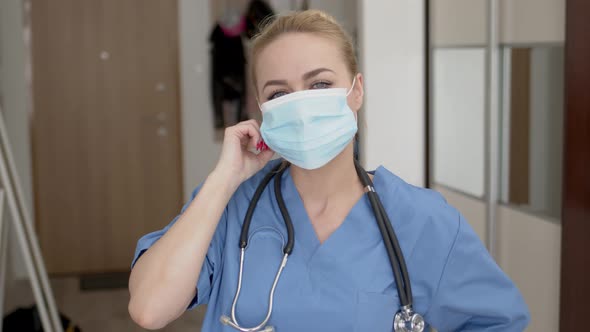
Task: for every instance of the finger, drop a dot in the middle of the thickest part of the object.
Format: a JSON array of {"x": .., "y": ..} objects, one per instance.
[
  {"x": 254, "y": 122},
  {"x": 246, "y": 128},
  {"x": 254, "y": 139},
  {"x": 254, "y": 142},
  {"x": 250, "y": 122},
  {"x": 248, "y": 134},
  {"x": 265, "y": 156}
]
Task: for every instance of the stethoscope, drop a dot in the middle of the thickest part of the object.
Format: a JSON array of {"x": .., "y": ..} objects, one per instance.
[{"x": 405, "y": 320}]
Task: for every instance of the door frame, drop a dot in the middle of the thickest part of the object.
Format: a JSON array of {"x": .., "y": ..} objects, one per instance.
[{"x": 575, "y": 260}]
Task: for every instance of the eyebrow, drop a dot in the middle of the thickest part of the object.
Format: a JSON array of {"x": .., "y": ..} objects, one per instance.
[
  {"x": 274, "y": 82},
  {"x": 315, "y": 72},
  {"x": 305, "y": 77}
]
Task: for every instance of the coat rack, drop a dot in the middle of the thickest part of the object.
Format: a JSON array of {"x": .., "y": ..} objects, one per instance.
[{"x": 11, "y": 192}]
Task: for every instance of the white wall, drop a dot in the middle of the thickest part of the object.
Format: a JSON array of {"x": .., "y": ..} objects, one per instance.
[
  {"x": 458, "y": 106},
  {"x": 391, "y": 36},
  {"x": 15, "y": 108},
  {"x": 199, "y": 149},
  {"x": 13, "y": 89},
  {"x": 345, "y": 11}
]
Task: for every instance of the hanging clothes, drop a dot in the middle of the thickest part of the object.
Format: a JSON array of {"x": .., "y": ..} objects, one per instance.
[
  {"x": 228, "y": 80},
  {"x": 257, "y": 12},
  {"x": 233, "y": 95}
]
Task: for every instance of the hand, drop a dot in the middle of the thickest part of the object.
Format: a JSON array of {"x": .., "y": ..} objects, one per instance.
[{"x": 237, "y": 162}]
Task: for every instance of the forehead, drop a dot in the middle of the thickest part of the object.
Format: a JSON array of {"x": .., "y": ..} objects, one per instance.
[{"x": 294, "y": 54}]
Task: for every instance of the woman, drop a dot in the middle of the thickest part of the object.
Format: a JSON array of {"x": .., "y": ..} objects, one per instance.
[{"x": 338, "y": 276}]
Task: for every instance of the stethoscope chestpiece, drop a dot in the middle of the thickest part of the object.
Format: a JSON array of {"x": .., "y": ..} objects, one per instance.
[{"x": 406, "y": 320}]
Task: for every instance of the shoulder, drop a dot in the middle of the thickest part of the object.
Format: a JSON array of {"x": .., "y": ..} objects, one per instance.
[
  {"x": 423, "y": 212},
  {"x": 419, "y": 195},
  {"x": 423, "y": 201},
  {"x": 429, "y": 230}
]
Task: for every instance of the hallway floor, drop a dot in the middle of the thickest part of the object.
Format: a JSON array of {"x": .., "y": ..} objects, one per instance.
[{"x": 96, "y": 310}]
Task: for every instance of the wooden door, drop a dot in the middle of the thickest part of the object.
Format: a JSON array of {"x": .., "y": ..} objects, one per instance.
[{"x": 105, "y": 128}]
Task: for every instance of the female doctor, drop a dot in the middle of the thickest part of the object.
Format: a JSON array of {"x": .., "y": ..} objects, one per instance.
[{"x": 334, "y": 266}]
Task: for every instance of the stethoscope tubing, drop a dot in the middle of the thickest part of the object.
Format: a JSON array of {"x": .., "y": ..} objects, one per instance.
[
  {"x": 401, "y": 259},
  {"x": 396, "y": 258},
  {"x": 390, "y": 240},
  {"x": 279, "y": 196},
  {"x": 278, "y": 172},
  {"x": 285, "y": 213}
]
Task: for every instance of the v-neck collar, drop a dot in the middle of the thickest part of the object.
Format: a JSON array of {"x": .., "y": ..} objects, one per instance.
[{"x": 306, "y": 238}]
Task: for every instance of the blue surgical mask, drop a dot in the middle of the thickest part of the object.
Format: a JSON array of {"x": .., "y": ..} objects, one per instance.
[{"x": 309, "y": 128}]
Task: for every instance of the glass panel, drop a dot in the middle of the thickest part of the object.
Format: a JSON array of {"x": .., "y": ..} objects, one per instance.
[
  {"x": 532, "y": 122},
  {"x": 458, "y": 106}
]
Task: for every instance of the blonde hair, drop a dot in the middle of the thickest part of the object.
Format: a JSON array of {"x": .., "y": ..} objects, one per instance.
[{"x": 309, "y": 21}]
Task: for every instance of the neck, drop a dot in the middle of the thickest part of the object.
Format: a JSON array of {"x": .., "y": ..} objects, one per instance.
[{"x": 337, "y": 176}]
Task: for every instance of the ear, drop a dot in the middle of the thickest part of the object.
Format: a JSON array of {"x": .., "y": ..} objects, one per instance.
[{"x": 355, "y": 98}]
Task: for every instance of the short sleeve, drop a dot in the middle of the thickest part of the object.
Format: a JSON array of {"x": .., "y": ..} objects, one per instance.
[
  {"x": 474, "y": 294},
  {"x": 213, "y": 259}
]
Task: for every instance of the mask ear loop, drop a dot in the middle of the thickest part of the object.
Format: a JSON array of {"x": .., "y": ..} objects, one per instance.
[
  {"x": 348, "y": 93},
  {"x": 258, "y": 103},
  {"x": 352, "y": 87}
]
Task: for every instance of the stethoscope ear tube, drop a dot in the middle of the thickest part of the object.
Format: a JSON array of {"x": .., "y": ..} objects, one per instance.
[
  {"x": 278, "y": 172},
  {"x": 252, "y": 207},
  {"x": 390, "y": 251},
  {"x": 398, "y": 250},
  {"x": 390, "y": 241},
  {"x": 285, "y": 213}
]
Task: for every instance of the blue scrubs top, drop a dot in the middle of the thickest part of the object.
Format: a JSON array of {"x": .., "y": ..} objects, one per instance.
[{"x": 346, "y": 283}]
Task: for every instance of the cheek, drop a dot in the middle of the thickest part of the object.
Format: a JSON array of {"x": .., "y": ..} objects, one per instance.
[
  {"x": 353, "y": 106},
  {"x": 352, "y": 103}
]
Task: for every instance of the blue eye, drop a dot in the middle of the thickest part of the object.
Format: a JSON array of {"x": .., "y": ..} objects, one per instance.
[
  {"x": 321, "y": 85},
  {"x": 276, "y": 94}
]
